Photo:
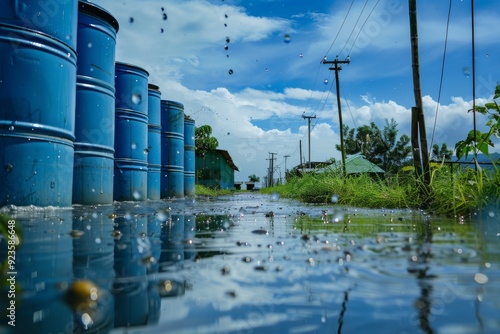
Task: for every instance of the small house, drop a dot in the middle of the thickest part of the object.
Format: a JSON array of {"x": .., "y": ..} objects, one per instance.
[
  {"x": 216, "y": 170},
  {"x": 355, "y": 164}
]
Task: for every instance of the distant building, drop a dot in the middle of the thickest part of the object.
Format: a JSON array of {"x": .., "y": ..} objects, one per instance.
[
  {"x": 355, "y": 164},
  {"x": 216, "y": 170}
]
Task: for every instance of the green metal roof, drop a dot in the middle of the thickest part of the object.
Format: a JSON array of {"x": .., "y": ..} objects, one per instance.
[{"x": 356, "y": 164}]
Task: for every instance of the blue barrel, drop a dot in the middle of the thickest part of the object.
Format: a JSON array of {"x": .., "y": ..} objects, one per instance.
[
  {"x": 95, "y": 106},
  {"x": 131, "y": 133},
  {"x": 154, "y": 142},
  {"x": 37, "y": 117},
  {"x": 96, "y": 45},
  {"x": 189, "y": 157},
  {"x": 172, "y": 149},
  {"x": 56, "y": 18}
]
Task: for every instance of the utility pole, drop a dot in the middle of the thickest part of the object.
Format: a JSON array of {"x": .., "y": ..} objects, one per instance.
[
  {"x": 309, "y": 135},
  {"x": 286, "y": 156},
  {"x": 271, "y": 169},
  {"x": 338, "y": 68},
  {"x": 420, "y": 150},
  {"x": 300, "y": 151}
]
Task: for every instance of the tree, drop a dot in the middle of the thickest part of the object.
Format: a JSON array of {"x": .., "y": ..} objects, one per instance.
[
  {"x": 253, "y": 178},
  {"x": 204, "y": 142},
  {"x": 380, "y": 147},
  {"x": 441, "y": 153}
]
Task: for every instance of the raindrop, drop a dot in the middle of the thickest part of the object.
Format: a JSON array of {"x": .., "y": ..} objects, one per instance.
[
  {"x": 481, "y": 278},
  {"x": 131, "y": 20},
  {"x": 146, "y": 151},
  {"x": 287, "y": 38},
  {"x": 136, "y": 195},
  {"x": 228, "y": 40},
  {"x": 133, "y": 146},
  {"x": 162, "y": 30},
  {"x": 87, "y": 320},
  {"x": 225, "y": 24},
  {"x": 301, "y": 55},
  {"x": 98, "y": 240},
  {"x": 226, "y": 47},
  {"x": 335, "y": 198},
  {"x": 225, "y": 15},
  {"x": 11, "y": 128},
  {"x": 9, "y": 167},
  {"x": 275, "y": 196},
  {"x": 466, "y": 71},
  {"x": 165, "y": 17},
  {"x": 230, "y": 72},
  {"x": 161, "y": 215},
  {"x": 325, "y": 81},
  {"x": 162, "y": 9},
  {"x": 136, "y": 98},
  {"x": 89, "y": 45}
]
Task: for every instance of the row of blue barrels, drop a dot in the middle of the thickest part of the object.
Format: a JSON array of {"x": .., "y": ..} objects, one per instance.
[{"x": 105, "y": 151}]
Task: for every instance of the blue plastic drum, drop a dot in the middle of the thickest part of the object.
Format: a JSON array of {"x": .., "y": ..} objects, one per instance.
[
  {"x": 189, "y": 157},
  {"x": 95, "y": 106},
  {"x": 131, "y": 133},
  {"x": 154, "y": 142},
  {"x": 37, "y": 118},
  {"x": 172, "y": 149}
]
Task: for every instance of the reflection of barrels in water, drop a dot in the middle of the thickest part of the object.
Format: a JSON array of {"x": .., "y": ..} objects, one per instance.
[
  {"x": 189, "y": 157},
  {"x": 95, "y": 106},
  {"x": 154, "y": 142},
  {"x": 131, "y": 132},
  {"x": 172, "y": 154},
  {"x": 55, "y": 18},
  {"x": 42, "y": 262},
  {"x": 36, "y": 118}
]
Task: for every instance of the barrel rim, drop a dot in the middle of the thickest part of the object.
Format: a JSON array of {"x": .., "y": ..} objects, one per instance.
[
  {"x": 153, "y": 87},
  {"x": 172, "y": 103},
  {"x": 131, "y": 66},
  {"x": 85, "y": 80},
  {"x": 98, "y": 12},
  {"x": 40, "y": 34}
]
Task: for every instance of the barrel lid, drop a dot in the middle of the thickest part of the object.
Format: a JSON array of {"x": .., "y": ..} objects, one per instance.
[
  {"x": 131, "y": 67},
  {"x": 173, "y": 103},
  {"x": 90, "y": 8},
  {"x": 153, "y": 87}
]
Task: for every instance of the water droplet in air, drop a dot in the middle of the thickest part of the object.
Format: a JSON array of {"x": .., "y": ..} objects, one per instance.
[
  {"x": 11, "y": 128},
  {"x": 133, "y": 146},
  {"x": 131, "y": 20},
  {"x": 287, "y": 38},
  {"x": 226, "y": 47},
  {"x": 275, "y": 196},
  {"x": 162, "y": 30},
  {"x": 136, "y": 195},
  {"x": 89, "y": 45},
  {"x": 98, "y": 240},
  {"x": 136, "y": 98},
  {"x": 481, "y": 278},
  {"x": 165, "y": 17},
  {"x": 301, "y": 55},
  {"x": 466, "y": 71},
  {"x": 335, "y": 198},
  {"x": 230, "y": 72},
  {"x": 9, "y": 167},
  {"x": 325, "y": 81}
]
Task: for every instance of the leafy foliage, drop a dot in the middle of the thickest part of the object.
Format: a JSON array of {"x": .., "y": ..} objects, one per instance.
[
  {"x": 204, "y": 142},
  {"x": 380, "y": 147},
  {"x": 478, "y": 141},
  {"x": 441, "y": 153},
  {"x": 253, "y": 178}
]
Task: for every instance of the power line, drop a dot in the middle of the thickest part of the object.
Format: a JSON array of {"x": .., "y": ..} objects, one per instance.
[{"x": 442, "y": 75}]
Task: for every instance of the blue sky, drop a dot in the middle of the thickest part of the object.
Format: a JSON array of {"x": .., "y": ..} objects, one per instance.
[{"x": 251, "y": 69}]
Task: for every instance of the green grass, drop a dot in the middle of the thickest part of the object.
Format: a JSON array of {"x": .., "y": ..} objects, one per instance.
[
  {"x": 449, "y": 193},
  {"x": 206, "y": 191}
]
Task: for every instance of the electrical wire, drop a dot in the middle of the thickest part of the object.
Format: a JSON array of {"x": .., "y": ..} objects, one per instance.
[
  {"x": 340, "y": 29},
  {"x": 354, "y": 28},
  {"x": 442, "y": 74},
  {"x": 360, "y": 30}
]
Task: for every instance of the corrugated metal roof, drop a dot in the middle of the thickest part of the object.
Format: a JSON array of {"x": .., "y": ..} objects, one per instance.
[
  {"x": 228, "y": 158},
  {"x": 355, "y": 164}
]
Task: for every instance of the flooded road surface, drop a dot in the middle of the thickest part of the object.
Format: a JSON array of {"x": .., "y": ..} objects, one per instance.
[{"x": 252, "y": 263}]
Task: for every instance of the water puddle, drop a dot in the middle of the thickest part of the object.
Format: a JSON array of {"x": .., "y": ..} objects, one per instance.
[{"x": 252, "y": 263}]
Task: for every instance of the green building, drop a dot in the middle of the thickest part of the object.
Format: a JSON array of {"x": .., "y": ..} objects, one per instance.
[{"x": 216, "y": 170}]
